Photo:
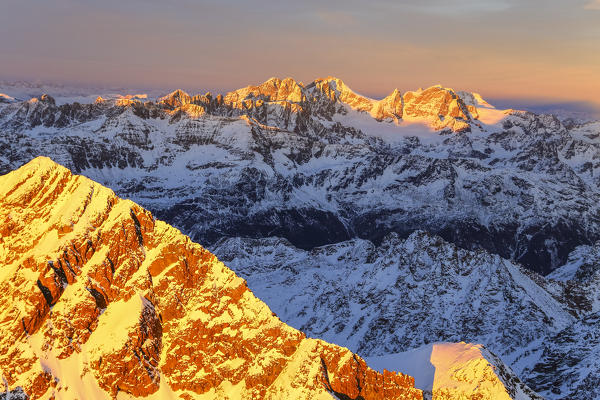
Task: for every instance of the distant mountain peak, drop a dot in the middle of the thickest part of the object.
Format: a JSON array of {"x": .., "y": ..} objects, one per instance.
[
  {"x": 176, "y": 98},
  {"x": 285, "y": 103},
  {"x": 274, "y": 89},
  {"x": 4, "y": 98}
]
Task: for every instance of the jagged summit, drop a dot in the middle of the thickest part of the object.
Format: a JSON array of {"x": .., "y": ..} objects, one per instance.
[
  {"x": 281, "y": 103},
  {"x": 437, "y": 106},
  {"x": 175, "y": 99},
  {"x": 274, "y": 89},
  {"x": 44, "y": 99},
  {"x": 99, "y": 299}
]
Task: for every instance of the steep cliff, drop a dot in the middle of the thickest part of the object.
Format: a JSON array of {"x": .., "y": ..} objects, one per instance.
[{"x": 99, "y": 298}]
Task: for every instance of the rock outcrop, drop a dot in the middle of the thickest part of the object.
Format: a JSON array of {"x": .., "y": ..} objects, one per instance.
[{"x": 100, "y": 298}]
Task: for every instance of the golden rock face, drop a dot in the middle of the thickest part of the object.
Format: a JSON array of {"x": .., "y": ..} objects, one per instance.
[
  {"x": 100, "y": 298},
  {"x": 440, "y": 107},
  {"x": 273, "y": 90},
  {"x": 175, "y": 99},
  {"x": 284, "y": 104}
]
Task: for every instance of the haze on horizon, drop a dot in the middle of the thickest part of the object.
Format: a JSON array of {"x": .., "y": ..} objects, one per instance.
[{"x": 513, "y": 49}]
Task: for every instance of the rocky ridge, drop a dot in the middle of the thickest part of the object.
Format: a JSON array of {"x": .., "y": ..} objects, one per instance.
[
  {"x": 101, "y": 299},
  {"x": 282, "y": 103}
]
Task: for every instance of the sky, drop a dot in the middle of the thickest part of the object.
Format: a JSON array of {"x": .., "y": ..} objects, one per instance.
[{"x": 538, "y": 50}]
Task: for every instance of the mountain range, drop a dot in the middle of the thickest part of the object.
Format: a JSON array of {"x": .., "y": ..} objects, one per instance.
[
  {"x": 104, "y": 301},
  {"x": 425, "y": 231},
  {"x": 319, "y": 163},
  {"x": 408, "y": 293}
]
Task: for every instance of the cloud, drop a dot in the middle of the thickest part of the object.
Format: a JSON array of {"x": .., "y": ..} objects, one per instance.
[
  {"x": 460, "y": 7},
  {"x": 593, "y": 5},
  {"x": 337, "y": 18}
]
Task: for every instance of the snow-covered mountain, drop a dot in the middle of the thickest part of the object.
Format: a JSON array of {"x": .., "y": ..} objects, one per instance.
[
  {"x": 312, "y": 164},
  {"x": 450, "y": 371},
  {"x": 100, "y": 300},
  {"x": 67, "y": 94},
  {"x": 571, "y": 360},
  {"x": 318, "y": 163},
  {"x": 582, "y": 273},
  {"x": 103, "y": 301},
  {"x": 406, "y": 293}
]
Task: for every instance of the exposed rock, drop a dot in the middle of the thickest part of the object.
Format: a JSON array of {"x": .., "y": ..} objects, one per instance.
[
  {"x": 173, "y": 100},
  {"x": 100, "y": 299},
  {"x": 443, "y": 108},
  {"x": 391, "y": 107}
]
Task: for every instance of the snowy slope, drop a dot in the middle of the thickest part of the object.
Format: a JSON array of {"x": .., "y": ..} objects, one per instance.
[
  {"x": 574, "y": 353},
  {"x": 404, "y": 294},
  {"x": 319, "y": 163},
  {"x": 457, "y": 370}
]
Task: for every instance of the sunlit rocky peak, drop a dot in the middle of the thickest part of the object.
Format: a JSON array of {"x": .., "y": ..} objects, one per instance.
[
  {"x": 101, "y": 300},
  {"x": 175, "y": 99}
]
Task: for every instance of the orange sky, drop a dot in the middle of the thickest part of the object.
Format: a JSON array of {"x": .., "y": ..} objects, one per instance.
[{"x": 536, "y": 49}]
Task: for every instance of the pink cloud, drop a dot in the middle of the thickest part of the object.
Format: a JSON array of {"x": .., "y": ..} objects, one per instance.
[{"x": 593, "y": 5}]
